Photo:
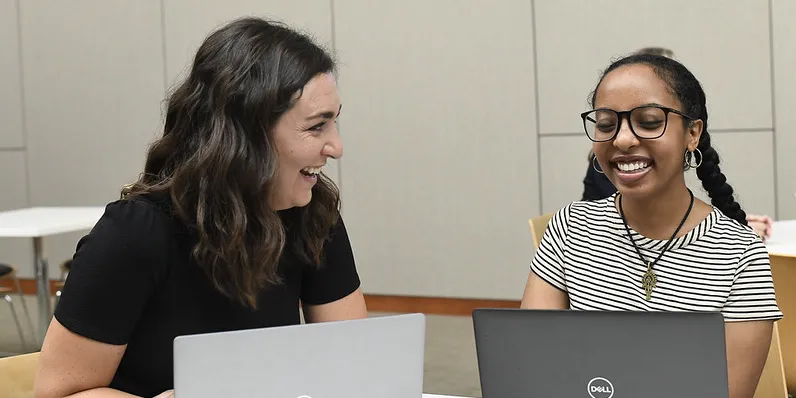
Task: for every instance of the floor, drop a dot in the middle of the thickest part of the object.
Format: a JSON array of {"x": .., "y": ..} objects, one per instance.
[{"x": 450, "y": 360}]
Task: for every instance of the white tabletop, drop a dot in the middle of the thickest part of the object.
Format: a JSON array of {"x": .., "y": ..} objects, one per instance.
[
  {"x": 37, "y": 222},
  {"x": 783, "y": 238}
]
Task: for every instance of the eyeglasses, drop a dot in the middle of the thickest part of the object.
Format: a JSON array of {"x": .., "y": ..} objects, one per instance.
[{"x": 647, "y": 122}]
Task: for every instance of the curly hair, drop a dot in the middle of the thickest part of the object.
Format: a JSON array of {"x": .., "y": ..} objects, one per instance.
[{"x": 216, "y": 159}]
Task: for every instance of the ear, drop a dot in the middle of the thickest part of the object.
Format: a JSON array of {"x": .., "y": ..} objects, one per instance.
[{"x": 693, "y": 133}]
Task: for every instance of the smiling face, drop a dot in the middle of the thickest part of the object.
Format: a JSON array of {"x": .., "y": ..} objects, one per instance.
[
  {"x": 306, "y": 137},
  {"x": 643, "y": 167}
]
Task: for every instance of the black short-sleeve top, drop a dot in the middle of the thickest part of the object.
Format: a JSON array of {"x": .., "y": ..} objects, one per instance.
[{"x": 133, "y": 281}]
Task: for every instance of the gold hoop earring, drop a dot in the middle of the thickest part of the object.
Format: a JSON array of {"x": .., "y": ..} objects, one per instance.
[{"x": 595, "y": 165}]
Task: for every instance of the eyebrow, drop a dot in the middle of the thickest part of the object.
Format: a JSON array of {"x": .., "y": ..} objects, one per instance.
[
  {"x": 637, "y": 106},
  {"x": 650, "y": 104},
  {"x": 325, "y": 115}
]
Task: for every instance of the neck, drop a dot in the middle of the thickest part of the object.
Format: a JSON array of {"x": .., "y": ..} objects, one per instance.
[{"x": 657, "y": 217}]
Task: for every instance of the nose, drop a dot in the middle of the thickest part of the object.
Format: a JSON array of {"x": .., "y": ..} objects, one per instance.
[
  {"x": 625, "y": 139},
  {"x": 333, "y": 147}
]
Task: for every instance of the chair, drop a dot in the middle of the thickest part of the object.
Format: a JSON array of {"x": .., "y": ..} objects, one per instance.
[
  {"x": 17, "y": 374},
  {"x": 9, "y": 273},
  {"x": 538, "y": 226}
]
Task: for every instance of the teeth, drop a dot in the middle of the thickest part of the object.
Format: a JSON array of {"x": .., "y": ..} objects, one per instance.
[
  {"x": 312, "y": 170},
  {"x": 632, "y": 166}
]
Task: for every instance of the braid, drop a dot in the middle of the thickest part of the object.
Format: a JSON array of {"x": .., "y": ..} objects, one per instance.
[{"x": 714, "y": 181}]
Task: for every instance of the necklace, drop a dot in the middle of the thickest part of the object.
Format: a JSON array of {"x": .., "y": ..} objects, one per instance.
[{"x": 649, "y": 280}]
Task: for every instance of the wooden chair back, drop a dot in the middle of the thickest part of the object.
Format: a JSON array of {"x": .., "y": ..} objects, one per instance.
[
  {"x": 538, "y": 226},
  {"x": 17, "y": 374}
]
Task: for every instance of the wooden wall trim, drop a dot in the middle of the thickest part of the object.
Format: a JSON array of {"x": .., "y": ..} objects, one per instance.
[
  {"x": 433, "y": 305},
  {"x": 375, "y": 302},
  {"x": 28, "y": 285}
]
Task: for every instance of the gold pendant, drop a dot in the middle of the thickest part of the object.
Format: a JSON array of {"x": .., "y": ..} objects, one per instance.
[{"x": 649, "y": 281}]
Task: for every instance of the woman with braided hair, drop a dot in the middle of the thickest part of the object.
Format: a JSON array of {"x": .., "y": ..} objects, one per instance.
[
  {"x": 652, "y": 246},
  {"x": 596, "y": 186}
]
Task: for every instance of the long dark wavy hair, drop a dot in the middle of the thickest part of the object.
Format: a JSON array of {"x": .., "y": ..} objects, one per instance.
[
  {"x": 217, "y": 159},
  {"x": 687, "y": 89}
]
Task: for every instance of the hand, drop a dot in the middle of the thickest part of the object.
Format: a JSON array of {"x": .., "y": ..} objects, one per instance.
[
  {"x": 761, "y": 225},
  {"x": 166, "y": 394}
]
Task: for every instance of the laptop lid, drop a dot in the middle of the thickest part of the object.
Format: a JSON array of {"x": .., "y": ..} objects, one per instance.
[
  {"x": 373, "y": 357},
  {"x": 540, "y": 353}
]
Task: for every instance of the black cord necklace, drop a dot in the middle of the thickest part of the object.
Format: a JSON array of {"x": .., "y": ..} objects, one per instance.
[{"x": 649, "y": 280}]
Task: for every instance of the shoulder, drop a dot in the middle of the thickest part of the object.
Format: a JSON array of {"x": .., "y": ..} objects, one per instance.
[
  {"x": 337, "y": 276},
  {"x": 142, "y": 213},
  {"x": 137, "y": 224},
  {"x": 295, "y": 219},
  {"x": 586, "y": 211},
  {"x": 731, "y": 236},
  {"x": 337, "y": 242},
  {"x": 338, "y": 227},
  {"x": 731, "y": 231},
  {"x": 580, "y": 215},
  {"x": 583, "y": 218}
]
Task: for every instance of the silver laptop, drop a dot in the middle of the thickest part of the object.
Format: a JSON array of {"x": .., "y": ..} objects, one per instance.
[
  {"x": 539, "y": 353},
  {"x": 374, "y": 357}
]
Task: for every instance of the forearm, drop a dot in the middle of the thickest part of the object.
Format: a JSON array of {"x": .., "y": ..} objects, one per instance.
[{"x": 102, "y": 392}]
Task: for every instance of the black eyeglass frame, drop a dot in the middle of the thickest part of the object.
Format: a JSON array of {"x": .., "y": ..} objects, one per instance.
[{"x": 621, "y": 115}]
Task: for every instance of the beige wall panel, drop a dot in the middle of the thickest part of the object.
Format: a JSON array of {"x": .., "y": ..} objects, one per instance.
[
  {"x": 11, "y": 134},
  {"x": 93, "y": 84},
  {"x": 747, "y": 163},
  {"x": 784, "y": 31},
  {"x": 726, "y": 47},
  {"x": 564, "y": 165},
  {"x": 440, "y": 172},
  {"x": 14, "y": 195}
]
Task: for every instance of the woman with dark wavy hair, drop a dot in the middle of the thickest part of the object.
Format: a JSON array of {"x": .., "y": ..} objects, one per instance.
[
  {"x": 232, "y": 225},
  {"x": 652, "y": 246}
]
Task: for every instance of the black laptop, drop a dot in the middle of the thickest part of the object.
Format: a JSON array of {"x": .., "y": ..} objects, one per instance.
[{"x": 572, "y": 354}]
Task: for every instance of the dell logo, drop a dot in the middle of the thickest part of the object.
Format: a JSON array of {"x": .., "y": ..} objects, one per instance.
[{"x": 599, "y": 387}]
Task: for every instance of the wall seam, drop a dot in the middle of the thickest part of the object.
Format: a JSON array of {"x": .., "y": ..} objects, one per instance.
[
  {"x": 773, "y": 108},
  {"x": 23, "y": 105},
  {"x": 536, "y": 107}
]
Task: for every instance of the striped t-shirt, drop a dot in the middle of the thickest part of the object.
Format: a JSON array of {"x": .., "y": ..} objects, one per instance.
[{"x": 720, "y": 265}]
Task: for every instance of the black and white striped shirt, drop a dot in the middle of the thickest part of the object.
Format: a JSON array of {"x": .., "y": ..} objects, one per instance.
[{"x": 720, "y": 265}]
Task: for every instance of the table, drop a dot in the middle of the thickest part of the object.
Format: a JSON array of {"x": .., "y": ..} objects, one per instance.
[
  {"x": 782, "y": 252},
  {"x": 783, "y": 238},
  {"x": 37, "y": 223}
]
